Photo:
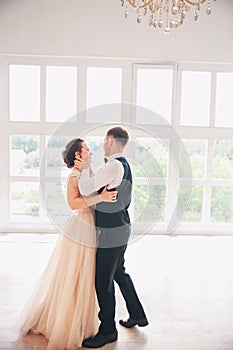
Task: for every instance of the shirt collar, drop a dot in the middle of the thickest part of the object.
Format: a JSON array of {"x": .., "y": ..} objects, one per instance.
[{"x": 114, "y": 156}]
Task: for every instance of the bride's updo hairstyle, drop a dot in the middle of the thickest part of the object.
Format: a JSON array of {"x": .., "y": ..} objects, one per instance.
[{"x": 68, "y": 154}]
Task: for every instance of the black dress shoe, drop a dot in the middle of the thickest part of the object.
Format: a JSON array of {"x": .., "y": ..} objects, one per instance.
[
  {"x": 142, "y": 322},
  {"x": 99, "y": 340}
]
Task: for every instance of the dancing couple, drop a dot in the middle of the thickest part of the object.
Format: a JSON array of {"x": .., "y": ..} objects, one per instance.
[{"x": 79, "y": 278}]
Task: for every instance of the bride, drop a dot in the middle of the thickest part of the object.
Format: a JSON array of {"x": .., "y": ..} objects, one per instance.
[{"x": 63, "y": 305}]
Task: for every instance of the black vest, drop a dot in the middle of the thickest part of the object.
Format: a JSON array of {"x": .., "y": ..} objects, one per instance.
[{"x": 115, "y": 215}]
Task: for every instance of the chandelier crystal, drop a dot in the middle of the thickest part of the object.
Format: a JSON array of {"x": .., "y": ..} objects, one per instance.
[{"x": 166, "y": 14}]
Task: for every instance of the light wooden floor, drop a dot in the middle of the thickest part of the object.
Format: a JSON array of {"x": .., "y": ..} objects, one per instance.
[{"x": 185, "y": 284}]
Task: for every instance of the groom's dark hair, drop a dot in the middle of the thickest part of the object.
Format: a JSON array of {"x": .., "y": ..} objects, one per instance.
[{"x": 120, "y": 134}]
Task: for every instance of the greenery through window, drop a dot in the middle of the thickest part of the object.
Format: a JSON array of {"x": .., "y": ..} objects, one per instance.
[
  {"x": 223, "y": 159},
  {"x": 25, "y": 155},
  {"x": 190, "y": 99}
]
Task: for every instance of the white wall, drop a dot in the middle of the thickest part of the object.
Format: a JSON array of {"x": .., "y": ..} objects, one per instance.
[{"x": 98, "y": 28}]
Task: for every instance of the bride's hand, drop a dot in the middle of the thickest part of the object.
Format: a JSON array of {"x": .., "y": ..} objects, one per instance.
[{"x": 108, "y": 196}]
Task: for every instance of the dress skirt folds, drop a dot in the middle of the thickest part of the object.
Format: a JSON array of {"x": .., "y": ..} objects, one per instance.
[{"x": 63, "y": 305}]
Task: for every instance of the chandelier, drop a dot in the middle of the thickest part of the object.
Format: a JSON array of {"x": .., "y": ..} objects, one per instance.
[{"x": 166, "y": 14}]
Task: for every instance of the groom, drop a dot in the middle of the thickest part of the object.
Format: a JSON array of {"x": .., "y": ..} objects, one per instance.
[{"x": 113, "y": 226}]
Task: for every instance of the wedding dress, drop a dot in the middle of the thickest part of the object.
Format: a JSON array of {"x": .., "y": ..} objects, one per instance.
[{"x": 63, "y": 306}]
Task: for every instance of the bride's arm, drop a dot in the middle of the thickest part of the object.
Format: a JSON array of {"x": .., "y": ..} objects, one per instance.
[{"x": 76, "y": 201}]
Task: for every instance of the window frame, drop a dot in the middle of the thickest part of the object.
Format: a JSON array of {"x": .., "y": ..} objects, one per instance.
[{"x": 129, "y": 67}]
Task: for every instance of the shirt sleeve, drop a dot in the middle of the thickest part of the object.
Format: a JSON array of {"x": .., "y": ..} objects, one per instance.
[{"x": 110, "y": 174}]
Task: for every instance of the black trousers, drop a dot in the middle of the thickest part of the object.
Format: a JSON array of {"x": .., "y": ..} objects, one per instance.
[{"x": 110, "y": 268}]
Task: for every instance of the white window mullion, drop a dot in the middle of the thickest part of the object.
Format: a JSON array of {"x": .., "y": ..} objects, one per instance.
[
  {"x": 42, "y": 143},
  {"x": 4, "y": 147},
  {"x": 24, "y": 178},
  {"x": 131, "y": 155},
  {"x": 134, "y": 95},
  {"x": 42, "y": 93},
  {"x": 176, "y": 94},
  {"x": 42, "y": 180},
  {"x": 81, "y": 95},
  {"x": 208, "y": 186},
  {"x": 222, "y": 182},
  {"x": 127, "y": 93},
  {"x": 172, "y": 185},
  {"x": 213, "y": 99}
]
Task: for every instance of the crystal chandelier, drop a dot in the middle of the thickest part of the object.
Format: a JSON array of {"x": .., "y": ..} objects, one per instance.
[{"x": 166, "y": 14}]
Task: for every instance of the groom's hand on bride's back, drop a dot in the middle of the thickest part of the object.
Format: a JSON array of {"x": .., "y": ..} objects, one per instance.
[
  {"x": 108, "y": 196},
  {"x": 81, "y": 164}
]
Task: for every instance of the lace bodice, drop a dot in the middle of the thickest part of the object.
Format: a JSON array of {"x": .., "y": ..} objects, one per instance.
[{"x": 76, "y": 173}]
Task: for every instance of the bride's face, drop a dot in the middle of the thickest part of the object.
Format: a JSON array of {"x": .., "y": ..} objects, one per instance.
[{"x": 86, "y": 153}]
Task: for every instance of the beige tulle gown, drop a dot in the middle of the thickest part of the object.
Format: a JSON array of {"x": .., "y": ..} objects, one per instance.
[{"x": 63, "y": 305}]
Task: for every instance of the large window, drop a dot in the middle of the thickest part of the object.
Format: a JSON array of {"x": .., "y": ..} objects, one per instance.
[
  {"x": 154, "y": 91},
  {"x": 24, "y": 99},
  {"x": 195, "y": 98},
  {"x": 61, "y": 93},
  {"x": 180, "y": 122},
  {"x": 104, "y": 86}
]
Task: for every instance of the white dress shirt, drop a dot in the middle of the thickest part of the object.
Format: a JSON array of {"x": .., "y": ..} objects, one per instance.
[{"x": 110, "y": 173}]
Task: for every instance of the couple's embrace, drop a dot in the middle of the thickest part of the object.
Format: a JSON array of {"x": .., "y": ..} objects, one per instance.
[{"x": 78, "y": 282}]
